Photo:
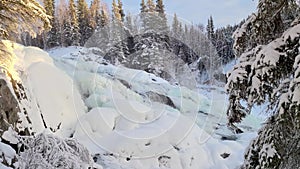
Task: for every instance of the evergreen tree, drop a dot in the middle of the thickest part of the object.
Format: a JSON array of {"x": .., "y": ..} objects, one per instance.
[
  {"x": 151, "y": 6},
  {"x": 85, "y": 28},
  {"x": 51, "y": 38},
  {"x": 224, "y": 42},
  {"x": 71, "y": 26},
  {"x": 62, "y": 17},
  {"x": 143, "y": 7},
  {"x": 268, "y": 73},
  {"x": 95, "y": 14},
  {"x": 27, "y": 16},
  {"x": 160, "y": 8},
  {"x": 162, "y": 19},
  {"x": 121, "y": 11},
  {"x": 104, "y": 18},
  {"x": 175, "y": 26},
  {"x": 128, "y": 22},
  {"x": 116, "y": 12},
  {"x": 210, "y": 29}
]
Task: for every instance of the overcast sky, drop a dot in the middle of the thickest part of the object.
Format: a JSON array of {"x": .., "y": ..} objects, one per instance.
[{"x": 224, "y": 12}]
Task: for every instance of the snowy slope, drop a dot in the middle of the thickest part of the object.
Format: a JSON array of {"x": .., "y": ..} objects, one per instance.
[
  {"x": 127, "y": 130},
  {"x": 126, "y": 118}
]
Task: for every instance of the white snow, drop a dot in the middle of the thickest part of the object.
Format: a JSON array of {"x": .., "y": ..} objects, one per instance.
[
  {"x": 106, "y": 108},
  {"x": 8, "y": 153},
  {"x": 142, "y": 134},
  {"x": 51, "y": 94}
]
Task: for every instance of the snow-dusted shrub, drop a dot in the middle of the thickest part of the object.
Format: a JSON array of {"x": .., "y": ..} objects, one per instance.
[{"x": 49, "y": 151}]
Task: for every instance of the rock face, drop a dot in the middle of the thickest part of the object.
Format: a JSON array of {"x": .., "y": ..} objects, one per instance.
[{"x": 9, "y": 108}]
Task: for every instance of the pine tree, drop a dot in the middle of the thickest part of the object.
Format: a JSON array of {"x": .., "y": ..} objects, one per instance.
[
  {"x": 95, "y": 14},
  {"x": 160, "y": 8},
  {"x": 128, "y": 22},
  {"x": 210, "y": 29},
  {"x": 51, "y": 38},
  {"x": 85, "y": 28},
  {"x": 121, "y": 11},
  {"x": 175, "y": 26},
  {"x": 27, "y": 16},
  {"x": 143, "y": 7},
  {"x": 71, "y": 26},
  {"x": 162, "y": 19},
  {"x": 116, "y": 12},
  {"x": 61, "y": 17},
  {"x": 104, "y": 18},
  {"x": 151, "y": 6},
  {"x": 268, "y": 73},
  {"x": 21, "y": 14}
]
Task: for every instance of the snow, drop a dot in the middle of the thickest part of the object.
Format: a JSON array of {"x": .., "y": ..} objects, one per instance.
[
  {"x": 11, "y": 136},
  {"x": 123, "y": 122},
  {"x": 53, "y": 100},
  {"x": 106, "y": 108},
  {"x": 8, "y": 153}
]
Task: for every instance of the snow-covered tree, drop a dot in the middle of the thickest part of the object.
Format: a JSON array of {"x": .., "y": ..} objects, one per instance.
[
  {"x": 224, "y": 42},
  {"x": 151, "y": 6},
  {"x": 210, "y": 29},
  {"x": 104, "y": 17},
  {"x": 268, "y": 72},
  {"x": 116, "y": 12},
  {"x": 85, "y": 28},
  {"x": 143, "y": 7},
  {"x": 175, "y": 27},
  {"x": 121, "y": 10},
  {"x": 51, "y": 37},
  {"x": 95, "y": 14},
  {"x": 22, "y": 16},
  {"x": 71, "y": 26}
]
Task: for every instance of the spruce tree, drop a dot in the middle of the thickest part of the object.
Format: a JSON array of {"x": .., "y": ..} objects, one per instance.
[
  {"x": 62, "y": 17},
  {"x": 143, "y": 7},
  {"x": 85, "y": 29},
  {"x": 71, "y": 27},
  {"x": 51, "y": 37},
  {"x": 121, "y": 11},
  {"x": 162, "y": 19},
  {"x": 175, "y": 26},
  {"x": 27, "y": 16},
  {"x": 160, "y": 8},
  {"x": 95, "y": 14},
  {"x": 267, "y": 45},
  {"x": 128, "y": 22},
  {"x": 116, "y": 12},
  {"x": 151, "y": 6},
  {"x": 104, "y": 18},
  {"x": 210, "y": 29}
]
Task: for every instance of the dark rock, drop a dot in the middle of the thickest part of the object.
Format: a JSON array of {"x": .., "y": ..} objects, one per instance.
[
  {"x": 155, "y": 97},
  {"x": 225, "y": 155}
]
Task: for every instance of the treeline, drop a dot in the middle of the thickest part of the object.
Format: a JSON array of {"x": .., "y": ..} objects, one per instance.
[{"x": 73, "y": 23}]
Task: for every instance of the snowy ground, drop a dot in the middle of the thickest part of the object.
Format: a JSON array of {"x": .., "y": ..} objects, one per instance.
[{"x": 128, "y": 118}]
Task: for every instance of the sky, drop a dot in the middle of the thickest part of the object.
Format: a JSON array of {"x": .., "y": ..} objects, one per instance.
[{"x": 224, "y": 12}]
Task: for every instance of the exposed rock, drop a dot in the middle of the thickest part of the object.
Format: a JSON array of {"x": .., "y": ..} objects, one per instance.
[
  {"x": 155, "y": 97},
  {"x": 9, "y": 108},
  {"x": 224, "y": 155}
]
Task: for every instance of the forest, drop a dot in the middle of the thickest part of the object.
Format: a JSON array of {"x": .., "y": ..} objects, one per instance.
[{"x": 89, "y": 85}]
